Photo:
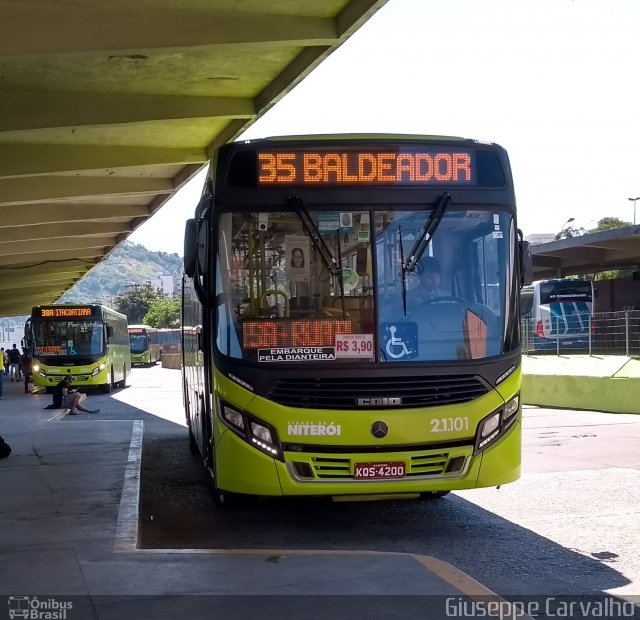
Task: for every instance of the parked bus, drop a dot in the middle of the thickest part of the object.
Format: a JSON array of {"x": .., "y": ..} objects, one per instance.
[
  {"x": 561, "y": 314},
  {"x": 313, "y": 363},
  {"x": 170, "y": 340},
  {"x": 144, "y": 344},
  {"x": 89, "y": 342}
]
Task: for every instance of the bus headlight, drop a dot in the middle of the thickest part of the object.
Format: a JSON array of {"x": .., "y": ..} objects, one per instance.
[
  {"x": 233, "y": 417},
  {"x": 98, "y": 369},
  {"x": 510, "y": 408},
  {"x": 261, "y": 432},
  {"x": 255, "y": 432},
  {"x": 261, "y": 438},
  {"x": 490, "y": 425},
  {"x": 495, "y": 425},
  {"x": 35, "y": 368}
]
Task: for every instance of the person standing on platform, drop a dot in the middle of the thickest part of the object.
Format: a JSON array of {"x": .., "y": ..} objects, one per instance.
[
  {"x": 14, "y": 363},
  {"x": 2, "y": 369},
  {"x": 5, "y": 359},
  {"x": 25, "y": 365}
]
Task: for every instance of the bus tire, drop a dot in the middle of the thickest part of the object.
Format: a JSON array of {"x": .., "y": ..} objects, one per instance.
[
  {"x": 226, "y": 500},
  {"x": 49, "y": 390},
  {"x": 433, "y": 495},
  {"x": 123, "y": 383},
  {"x": 106, "y": 387}
]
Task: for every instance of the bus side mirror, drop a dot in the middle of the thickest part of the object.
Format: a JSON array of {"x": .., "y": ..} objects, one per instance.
[
  {"x": 190, "y": 247},
  {"x": 526, "y": 264},
  {"x": 196, "y": 243},
  {"x": 109, "y": 332},
  {"x": 526, "y": 301}
]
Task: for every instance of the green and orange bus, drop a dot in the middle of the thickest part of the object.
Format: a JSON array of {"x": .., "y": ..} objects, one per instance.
[
  {"x": 313, "y": 363},
  {"x": 89, "y": 342},
  {"x": 144, "y": 343}
]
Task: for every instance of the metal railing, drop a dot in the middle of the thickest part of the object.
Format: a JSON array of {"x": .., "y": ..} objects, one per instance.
[{"x": 603, "y": 333}]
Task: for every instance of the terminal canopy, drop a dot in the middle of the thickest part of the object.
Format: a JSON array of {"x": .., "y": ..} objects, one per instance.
[
  {"x": 591, "y": 253},
  {"x": 107, "y": 109}
]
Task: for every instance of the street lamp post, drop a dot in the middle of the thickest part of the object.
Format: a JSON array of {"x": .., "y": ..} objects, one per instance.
[
  {"x": 571, "y": 219},
  {"x": 633, "y": 200}
]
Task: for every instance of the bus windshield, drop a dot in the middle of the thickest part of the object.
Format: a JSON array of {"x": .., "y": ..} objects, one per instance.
[
  {"x": 68, "y": 338},
  {"x": 280, "y": 299},
  {"x": 139, "y": 343}
]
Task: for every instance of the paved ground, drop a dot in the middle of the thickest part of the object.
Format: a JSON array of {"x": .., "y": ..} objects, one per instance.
[{"x": 69, "y": 522}]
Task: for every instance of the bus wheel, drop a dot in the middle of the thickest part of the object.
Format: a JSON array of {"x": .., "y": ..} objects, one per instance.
[
  {"x": 434, "y": 494},
  {"x": 123, "y": 383},
  {"x": 49, "y": 390},
  {"x": 106, "y": 387},
  {"x": 226, "y": 500}
]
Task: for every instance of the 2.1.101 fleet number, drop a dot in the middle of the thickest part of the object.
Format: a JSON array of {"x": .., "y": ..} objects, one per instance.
[{"x": 448, "y": 425}]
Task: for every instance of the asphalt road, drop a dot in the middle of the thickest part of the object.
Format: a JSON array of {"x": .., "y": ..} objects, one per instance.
[{"x": 568, "y": 526}]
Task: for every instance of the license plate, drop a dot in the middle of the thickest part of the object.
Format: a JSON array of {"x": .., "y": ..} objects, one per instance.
[{"x": 378, "y": 471}]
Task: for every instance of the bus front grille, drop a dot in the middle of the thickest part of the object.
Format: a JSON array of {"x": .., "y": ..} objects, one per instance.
[
  {"x": 367, "y": 393},
  {"x": 76, "y": 378},
  {"x": 329, "y": 468}
]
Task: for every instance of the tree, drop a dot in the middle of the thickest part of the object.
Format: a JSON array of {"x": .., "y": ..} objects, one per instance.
[
  {"x": 610, "y": 223},
  {"x": 135, "y": 302},
  {"x": 570, "y": 231},
  {"x": 163, "y": 313}
]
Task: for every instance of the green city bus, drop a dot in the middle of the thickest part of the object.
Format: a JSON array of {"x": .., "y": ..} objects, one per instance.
[
  {"x": 170, "y": 340},
  {"x": 144, "y": 344},
  {"x": 89, "y": 342},
  {"x": 313, "y": 364}
]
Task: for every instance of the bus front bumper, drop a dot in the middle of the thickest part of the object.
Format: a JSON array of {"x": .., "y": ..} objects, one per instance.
[
  {"x": 82, "y": 376},
  {"x": 243, "y": 469}
]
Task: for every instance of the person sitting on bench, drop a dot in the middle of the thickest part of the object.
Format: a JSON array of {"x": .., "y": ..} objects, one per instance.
[{"x": 66, "y": 398}]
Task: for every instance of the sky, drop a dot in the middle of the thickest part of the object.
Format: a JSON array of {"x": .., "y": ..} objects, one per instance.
[{"x": 555, "y": 82}]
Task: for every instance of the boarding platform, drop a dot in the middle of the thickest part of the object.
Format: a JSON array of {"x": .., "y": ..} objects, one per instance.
[
  {"x": 609, "y": 383},
  {"x": 69, "y": 523}
]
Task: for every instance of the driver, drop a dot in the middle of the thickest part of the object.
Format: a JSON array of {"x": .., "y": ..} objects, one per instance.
[{"x": 429, "y": 273}]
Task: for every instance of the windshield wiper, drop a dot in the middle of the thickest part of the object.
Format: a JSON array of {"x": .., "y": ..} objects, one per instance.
[
  {"x": 426, "y": 235},
  {"x": 295, "y": 203},
  {"x": 340, "y": 279},
  {"x": 404, "y": 274}
]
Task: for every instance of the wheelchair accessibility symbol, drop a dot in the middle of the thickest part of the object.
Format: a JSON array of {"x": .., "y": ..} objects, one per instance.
[{"x": 400, "y": 340}]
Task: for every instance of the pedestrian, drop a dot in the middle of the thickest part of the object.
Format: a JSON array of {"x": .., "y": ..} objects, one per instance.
[
  {"x": 5, "y": 448},
  {"x": 66, "y": 398},
  {"x": 5, "y": 359},
  {"x": 14, "y": 363},
  {"x": 25, "y": 365},
  {"x": 2, "y": 369}
]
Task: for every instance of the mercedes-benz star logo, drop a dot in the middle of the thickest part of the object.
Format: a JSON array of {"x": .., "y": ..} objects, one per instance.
[{"x": 379, "y": 429}]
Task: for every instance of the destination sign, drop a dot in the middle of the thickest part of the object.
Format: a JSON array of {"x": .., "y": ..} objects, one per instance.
[
  {"x": 438, "y": 166},
  {"x": 271, "y": 334},
  {"x": 64, "y": 312}
]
